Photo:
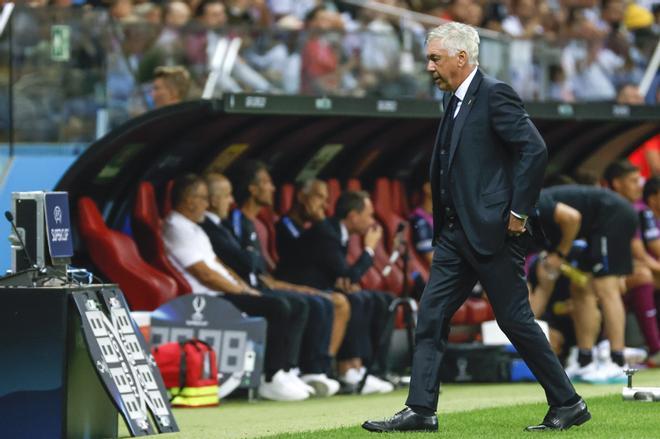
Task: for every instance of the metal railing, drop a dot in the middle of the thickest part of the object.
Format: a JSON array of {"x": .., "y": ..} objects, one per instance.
[{"x": 70, "y": 75}]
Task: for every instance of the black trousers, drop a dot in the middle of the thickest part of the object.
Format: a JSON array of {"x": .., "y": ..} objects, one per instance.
[
  {"x": 295, "y": 326},
  {"x": 369, "y": 325},
  {"x": 455, "y": 269},
  {"x": 279, "y": 314}
]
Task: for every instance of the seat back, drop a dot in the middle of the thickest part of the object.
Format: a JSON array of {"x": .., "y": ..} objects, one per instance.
[
  {"x": 371, "y": 280},
  {"x": 353, "y": 184},
  {"x": 166, "y": 202},
  {"x": 116, "y": 255},
  {"x": 147, "y": 230},
  {"x": 383, "y": 202},
  {"x": 400, "y": 204},
  {"x": 268, "y": 218},
  {"x": 264, "y": 237},
  {"x": 287, "y": 192},
  {"x": 334, "y": 191}
]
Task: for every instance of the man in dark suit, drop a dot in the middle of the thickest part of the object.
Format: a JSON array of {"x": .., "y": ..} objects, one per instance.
[
  {"x": 486, "y": 173},
  {"x": 317, "y": 257},
  {"x": 314, "y": 359}
]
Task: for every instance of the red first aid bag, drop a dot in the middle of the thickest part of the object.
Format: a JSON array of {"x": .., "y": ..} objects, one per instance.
[{"x": 190, "y": 372}]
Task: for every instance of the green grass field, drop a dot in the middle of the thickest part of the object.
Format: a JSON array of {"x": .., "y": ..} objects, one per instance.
[{"x": 466, "y": 411}]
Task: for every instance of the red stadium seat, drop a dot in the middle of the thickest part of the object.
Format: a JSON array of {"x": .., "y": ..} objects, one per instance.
[
  {"x": 166, "y": 205},
  {"x": 353, "y": 184},
  {"x": 400, "y": 204},
  {"x": 460, "y": 317},
  {"x": 116, "y": 255},
  {"x": 372, "y": 279},
  {"x": 334, "y": 190},
  {"x": 264, "y": 236},
  {"x": 269, "y": 218},
  {"x": 478, "y": 311},
  {"x": 147, "y": 227},
  {"x": 287, "y": 192},
  {"x": 382, "y": 200}
]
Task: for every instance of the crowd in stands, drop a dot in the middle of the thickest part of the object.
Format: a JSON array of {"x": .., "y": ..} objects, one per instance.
[{"x": 602, "y": 47}]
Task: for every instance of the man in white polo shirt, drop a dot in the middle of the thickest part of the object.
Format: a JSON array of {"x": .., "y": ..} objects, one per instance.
[{"x": 191, "y": 252}]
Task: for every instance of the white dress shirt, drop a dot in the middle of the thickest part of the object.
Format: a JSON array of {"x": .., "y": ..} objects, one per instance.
[
  {"x": 187, "y": 244},
  {"x": 462, "y": 89}
]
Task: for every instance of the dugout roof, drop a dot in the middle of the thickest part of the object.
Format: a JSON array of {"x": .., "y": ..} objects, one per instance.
[{"x": 325, "y": 137}]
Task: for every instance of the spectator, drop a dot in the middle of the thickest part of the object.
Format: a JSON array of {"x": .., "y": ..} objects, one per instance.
[
  {"x": 321, "y": 54},
  {"x": 176, "y": 17},
  {"x": 524, "y": 22},
  {"x": 171, "y": 85},
  {"x": 314, "y": 360},
  {"x": 191, "y": 252},
  {"x": 457, "y": 10},
  {"x": 150, "y": 13},
  {"x": 248, "y": 13},
  {"x": 588, "y": 65},
  {"x": 121, "y": 10},
  {"x": 560, "y": 89},
  {"x": 629, "y": 95},
  {"x": 607, "y": 223}
]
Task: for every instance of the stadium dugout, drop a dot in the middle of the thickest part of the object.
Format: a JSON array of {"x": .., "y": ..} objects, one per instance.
[{"x": 353, "y": 142}]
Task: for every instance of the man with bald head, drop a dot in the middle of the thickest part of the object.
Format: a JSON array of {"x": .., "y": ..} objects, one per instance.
[
  {"x": 328, "y": 312},
  {"x": 486, "y": 173}
]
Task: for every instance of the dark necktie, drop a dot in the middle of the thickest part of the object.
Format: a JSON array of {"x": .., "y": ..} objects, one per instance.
[
  {"x": 445, "y": 141},
  {"x": 449, "y": 125}
]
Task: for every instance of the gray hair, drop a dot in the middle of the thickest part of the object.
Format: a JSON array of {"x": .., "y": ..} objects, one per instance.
[
  {"x": 456, "y": 37},
  {"x": 306, "y": 185}
]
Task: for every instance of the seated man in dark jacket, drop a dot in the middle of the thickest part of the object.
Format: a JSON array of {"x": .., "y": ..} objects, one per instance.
[
  {"x": 317, "y": 256},
  {"x": 248, "y": 263}
]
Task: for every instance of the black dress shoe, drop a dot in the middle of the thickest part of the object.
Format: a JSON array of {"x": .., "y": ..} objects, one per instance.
[
  {"x": 405, "y": 420},
  {"x": 563, "y": 418}
]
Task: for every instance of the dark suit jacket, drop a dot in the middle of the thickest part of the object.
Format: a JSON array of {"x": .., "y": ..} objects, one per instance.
[
  {"x": 229, "y": 250},
  {"x": 325, "y": 259},
  {"x": 497, "y": 161}
]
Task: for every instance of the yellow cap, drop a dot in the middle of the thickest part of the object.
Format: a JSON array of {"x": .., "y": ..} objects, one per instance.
[{"x": 637, "y": 17}]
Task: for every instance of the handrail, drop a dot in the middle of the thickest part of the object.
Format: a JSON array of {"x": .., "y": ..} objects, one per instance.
[
  {"x": 5, "y": 16},
  {"x": 651, "y": 70},
  {"x": 427, "y": 19}
]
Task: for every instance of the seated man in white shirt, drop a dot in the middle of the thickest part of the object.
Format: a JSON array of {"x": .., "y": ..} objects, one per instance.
[{"x": 191, "y": 252}]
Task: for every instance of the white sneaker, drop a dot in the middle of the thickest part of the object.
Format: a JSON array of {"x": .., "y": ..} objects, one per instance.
[
  {"x": 374, "y": 384},
  {"x": 351, "y": 377},
  {"x": 572, "y": 365},
  {"x": 603, "y": 351},
  {"x": 280, "y": 388},
  {"x": 634, "y": 355},
  {"x": 590, "y": 373},
  {"x": 296, "y": 381},
  {"x": 323, "y": 385},
  {"x": 613, "y": 373},
  {"x": 604, "y": 373}
]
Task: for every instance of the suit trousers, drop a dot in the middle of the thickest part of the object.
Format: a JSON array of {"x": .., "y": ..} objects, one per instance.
[
  {"x": 455, "y": 269},
  {"x": 281, "y": 319}
]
